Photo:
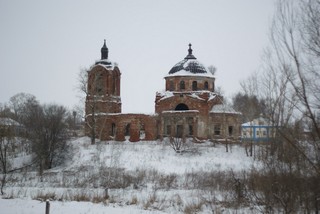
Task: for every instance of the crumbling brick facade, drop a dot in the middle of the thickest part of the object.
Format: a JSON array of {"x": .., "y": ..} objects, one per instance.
[{"x": 189, "y": 106}]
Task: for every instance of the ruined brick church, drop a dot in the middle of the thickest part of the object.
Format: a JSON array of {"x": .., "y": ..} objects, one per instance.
[{"x": 188, "y": 107}]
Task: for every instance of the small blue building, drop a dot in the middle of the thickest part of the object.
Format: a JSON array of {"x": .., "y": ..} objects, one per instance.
[{"x": 257, "y": 130}]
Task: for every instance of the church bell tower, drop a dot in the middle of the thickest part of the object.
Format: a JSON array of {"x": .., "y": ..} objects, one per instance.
[{"x": 103, "y": 86}]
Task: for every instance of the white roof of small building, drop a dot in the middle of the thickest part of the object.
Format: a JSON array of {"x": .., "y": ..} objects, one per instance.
[
  {"x": 260, "y": 121},
  {"x": 223, "y": 108}
]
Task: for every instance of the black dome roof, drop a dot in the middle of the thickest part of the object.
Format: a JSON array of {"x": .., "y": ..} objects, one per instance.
[
  {"x": 189, "y": 65},
  {"x": 192, "y": 66}
]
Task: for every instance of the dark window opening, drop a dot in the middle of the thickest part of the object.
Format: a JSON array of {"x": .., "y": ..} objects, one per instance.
[
  {"x": 127, "y": 131},
  {"x": 99, "y": 90},
  {"x": 194, "y": 85},
  {"x": 182, "y": 107},
  {"x": 230, "y": 130},
  {"x": 179, "y": 132},
  {"x": 168, "y": 130},
  {"x": 113, "y": 85},
  {"x": 99, "y": 85},
  {"x": 182, "y": 85},
  {"x": 217, "y": 130},
  {"x": 142, "y": 131},
  {"x": 206, "y": 86},
  {"x": 213, "y": 86},
  {"x": 190, "y": 130},
  {"x": 113, "y": 129},
  {"x": 171, "y": 86}
]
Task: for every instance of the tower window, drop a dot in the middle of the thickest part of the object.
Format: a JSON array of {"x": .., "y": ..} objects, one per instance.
[
  {"x": 113, "y": 85},
  {"x": 99, "y": 90},
  {"x": 171, "y": 88},
  {"x": 182, "y": 85},
  {"x": 194, "y": 85},
  {"x": 98, "y": 84}
]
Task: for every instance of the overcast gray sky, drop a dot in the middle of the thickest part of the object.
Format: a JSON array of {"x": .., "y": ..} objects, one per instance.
[{"x": 44, "y": 44}]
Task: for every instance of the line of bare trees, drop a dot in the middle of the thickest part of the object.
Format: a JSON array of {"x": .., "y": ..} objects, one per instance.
[{"x": 288, "y": 87}]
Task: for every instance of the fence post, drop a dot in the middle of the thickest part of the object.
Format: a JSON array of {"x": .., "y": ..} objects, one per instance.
[{"x": 47, "y": 207}]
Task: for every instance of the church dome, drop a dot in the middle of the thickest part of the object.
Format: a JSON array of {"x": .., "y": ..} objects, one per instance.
[{"x": 189, "y": 66}]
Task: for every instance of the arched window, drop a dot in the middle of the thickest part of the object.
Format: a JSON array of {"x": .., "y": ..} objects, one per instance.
[
  {"x": 171, "y": 88},
  {"x": 114, "y": 85},
  {"x": 98, "y": 83},
  {"x": 113, "y": 129},
  {"x": 206, "y": 85},
  {"x": 181, "y": 107},
  {"x": 194, "y": 85},
  {"x": 182, "y": 85},
  {"x": 127, "y": 130}
]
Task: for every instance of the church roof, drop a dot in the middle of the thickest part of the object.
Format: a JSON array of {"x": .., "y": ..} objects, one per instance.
[
  {"x": 223, "y": 108},
  {"x": 105, "y": 63},
  {"x": 260, "y": 121},
  {"x": 189, "y": 66}
]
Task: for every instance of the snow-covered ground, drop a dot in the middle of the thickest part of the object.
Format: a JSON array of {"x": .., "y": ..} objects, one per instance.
[
  {"x": 22, "y": 206},
  {"x": 160, "y": 156},
  {"x": 162, "y": 187}
]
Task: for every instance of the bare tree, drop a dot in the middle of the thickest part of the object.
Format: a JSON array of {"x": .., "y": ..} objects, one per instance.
[
  {"x": 18, "y": 104},
  {"x": 251, "y": 108},
  {"x": 289, "y": 84},
  {"x": 212, "y": 69},
  {"x": 299, "y": 65},
  {"x": 47, "y": 131},
  {"x": 7, "y": 141},
  {"x": 177, "y": 144},
  {"x": 9, "y": 146}
]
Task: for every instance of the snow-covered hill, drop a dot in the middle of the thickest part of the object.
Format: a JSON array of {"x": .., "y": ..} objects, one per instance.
[
  {"x": 158, "y": 156},
  {"x": 143, "y": 176}
]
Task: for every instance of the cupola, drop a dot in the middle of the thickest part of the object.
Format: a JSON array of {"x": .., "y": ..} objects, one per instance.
[
  {"x": 189, "y": 66},
  {"x": 104, "y": 51}
]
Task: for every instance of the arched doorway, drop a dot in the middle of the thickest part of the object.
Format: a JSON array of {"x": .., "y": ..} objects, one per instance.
[
  {"x": 127, "y": 130},
  {"x": 181, "y": 107}
]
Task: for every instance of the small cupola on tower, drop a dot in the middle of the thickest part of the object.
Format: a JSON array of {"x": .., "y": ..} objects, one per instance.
[
  {"x": 104, "y": 56},
  {"x": 104, "y": 51}
]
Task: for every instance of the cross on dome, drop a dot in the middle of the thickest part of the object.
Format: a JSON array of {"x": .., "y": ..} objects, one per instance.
[{"x": 190, "y": 56}]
